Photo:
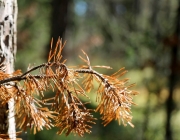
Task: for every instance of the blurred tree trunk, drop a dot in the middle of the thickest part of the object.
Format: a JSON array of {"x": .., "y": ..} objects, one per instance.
[
  {"x": 173, "y": 76},
  {"x": 8, "y": 17},
  {"x": 58, "y": 19}
]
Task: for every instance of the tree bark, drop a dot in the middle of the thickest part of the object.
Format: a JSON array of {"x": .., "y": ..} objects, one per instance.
[{"x": 8, "y": 18}]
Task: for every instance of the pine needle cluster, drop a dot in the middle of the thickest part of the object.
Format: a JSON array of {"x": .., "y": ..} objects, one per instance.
[{"x": 65, "y": 110}]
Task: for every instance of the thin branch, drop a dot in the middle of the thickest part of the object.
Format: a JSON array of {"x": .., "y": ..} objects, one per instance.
[
  {"x": 33, "y": 69},
  {"x": 22, "y": 77},
  {"x": 90, "y": 71}
]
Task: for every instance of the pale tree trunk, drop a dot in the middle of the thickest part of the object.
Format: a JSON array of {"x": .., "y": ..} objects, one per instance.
[{"x": 8, "y": 17}]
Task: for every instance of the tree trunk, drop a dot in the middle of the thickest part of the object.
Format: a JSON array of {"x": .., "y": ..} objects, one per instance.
[
  {"x": 172, "y": 77},
  {"x": 59, "y": 17},
  {"x": 8, "y": 17}
]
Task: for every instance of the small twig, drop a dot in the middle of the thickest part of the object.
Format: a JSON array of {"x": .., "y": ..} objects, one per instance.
[
  {"x": 23, "y": 76},
  {"x": 90, "y": 71},
  {"x": 33, "y": 69},
  {"x": 20, "y": 78}
]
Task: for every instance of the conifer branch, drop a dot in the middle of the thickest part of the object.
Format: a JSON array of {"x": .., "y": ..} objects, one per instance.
[{"x": 65, "y": 110}]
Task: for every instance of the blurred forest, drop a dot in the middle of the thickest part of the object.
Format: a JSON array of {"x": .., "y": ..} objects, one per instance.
[{"x": 141, "y": 35}]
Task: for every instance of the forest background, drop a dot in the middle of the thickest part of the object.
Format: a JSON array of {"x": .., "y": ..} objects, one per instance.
[{"x": 141, "y": 35}]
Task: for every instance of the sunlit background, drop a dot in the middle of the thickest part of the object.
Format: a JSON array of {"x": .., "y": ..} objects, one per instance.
[{"x": 141, "y": 35}]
